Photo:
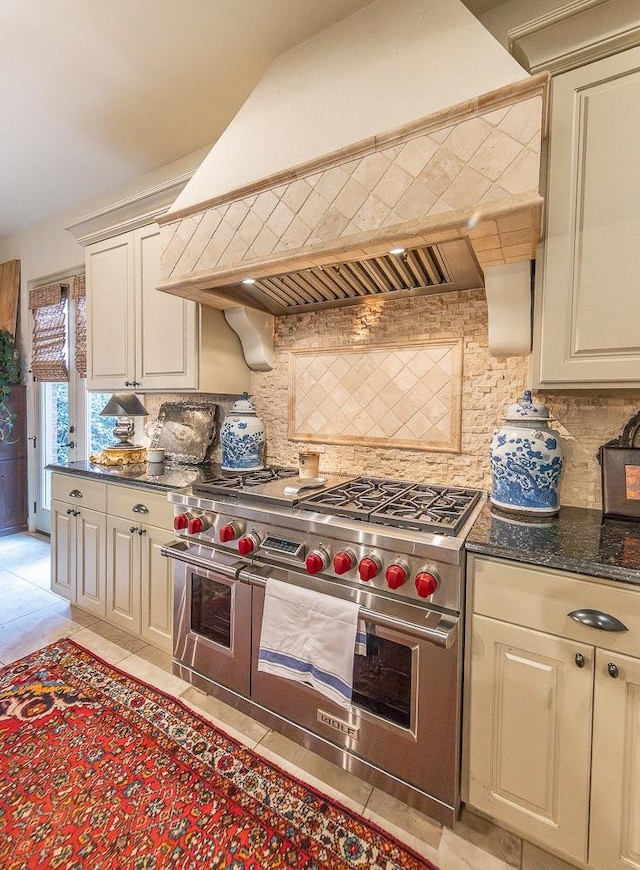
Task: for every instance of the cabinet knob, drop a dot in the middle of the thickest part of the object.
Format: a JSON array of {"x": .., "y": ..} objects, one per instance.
[
  {"x": 140, "y": 509},
  {"x": 613, "y": 670},
  {"x": 133, "y": 529},
  {"x": 580, "y": 660},
  {"x": 142, "y": 531},
  {"x": 75, "y": 493},
  {"x": 69, "y": 511}
]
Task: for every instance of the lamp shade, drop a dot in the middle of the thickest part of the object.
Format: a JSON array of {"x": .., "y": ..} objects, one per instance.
[{"x": 124, "y": 405}]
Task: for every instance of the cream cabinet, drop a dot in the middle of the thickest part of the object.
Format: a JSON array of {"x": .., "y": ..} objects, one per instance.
[
  {"x": 78, "y": 530},
  {"x": 139, "y": 579},
  {"x": 552, "y": 713},
  {"x": 105, "y": 554},
  {"x": 587, "y": 304},
  {"x": 140, "y": 338}
]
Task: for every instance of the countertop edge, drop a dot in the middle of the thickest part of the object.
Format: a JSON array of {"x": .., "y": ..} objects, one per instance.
[
  {"x": 573, "y": 566},
  {"x": 112, "y": 479}
]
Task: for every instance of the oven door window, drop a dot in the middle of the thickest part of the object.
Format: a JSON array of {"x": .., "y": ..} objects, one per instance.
[
  {"x": 382, "y": 679},
  {"x": 211, "y": 606}
]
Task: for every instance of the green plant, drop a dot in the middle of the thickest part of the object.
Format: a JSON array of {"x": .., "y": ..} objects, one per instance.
[{"x": 9, "y": 376}]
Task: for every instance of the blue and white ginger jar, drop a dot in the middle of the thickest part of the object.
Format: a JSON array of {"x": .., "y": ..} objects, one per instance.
[
  {"x": 242, "y": 438},
  {"x": 526, "y": 461}
]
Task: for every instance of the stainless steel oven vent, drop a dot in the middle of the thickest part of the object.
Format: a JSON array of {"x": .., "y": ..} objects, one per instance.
[{"x": 416, "y": 271}]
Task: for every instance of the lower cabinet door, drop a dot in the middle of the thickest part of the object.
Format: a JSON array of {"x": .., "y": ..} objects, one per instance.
[
  {"x": 530, "y": 733},
  {"x": 90, "y": 592},
  {"x": 63, "y": 550},
  {"x": 615, "y": 785},
  {"x": 123, "y": 575},
  {"x": 156, "y": 588}
]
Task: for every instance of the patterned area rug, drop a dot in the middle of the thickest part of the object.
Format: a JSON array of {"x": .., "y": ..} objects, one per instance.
[{"x": 101, "y": 771}]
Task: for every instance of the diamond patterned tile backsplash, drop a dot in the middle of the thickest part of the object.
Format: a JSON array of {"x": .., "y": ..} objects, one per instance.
[
  {"x": 471, "y": 161},
  {"x": 403, "y": 395}
]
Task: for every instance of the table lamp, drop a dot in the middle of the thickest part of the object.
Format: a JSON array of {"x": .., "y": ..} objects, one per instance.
[{"x": 124, "y": 406}]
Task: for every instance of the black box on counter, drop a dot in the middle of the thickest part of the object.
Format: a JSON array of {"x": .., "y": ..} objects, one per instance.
[{"x": 620, "y": 461}]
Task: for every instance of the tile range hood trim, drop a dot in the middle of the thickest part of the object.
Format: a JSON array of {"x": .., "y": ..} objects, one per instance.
[{"x": 503, "y": 229}]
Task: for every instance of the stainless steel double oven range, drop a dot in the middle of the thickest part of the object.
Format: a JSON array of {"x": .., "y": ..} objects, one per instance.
[{"x": 393, "y": 547}]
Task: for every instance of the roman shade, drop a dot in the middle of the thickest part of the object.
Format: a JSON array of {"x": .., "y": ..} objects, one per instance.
[
  {"x": 79, "y": 293},
  {"x": 49, "y": 358}
]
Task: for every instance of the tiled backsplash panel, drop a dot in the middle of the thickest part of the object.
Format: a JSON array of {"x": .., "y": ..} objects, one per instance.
[
  {"x": 584, "y": 421},
  {"x": 402, "y": 395}
]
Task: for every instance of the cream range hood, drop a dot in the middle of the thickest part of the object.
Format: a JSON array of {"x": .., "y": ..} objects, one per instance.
[{"x": 435, "y": 204}]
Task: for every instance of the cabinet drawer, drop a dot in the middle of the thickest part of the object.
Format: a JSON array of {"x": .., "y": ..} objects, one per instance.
[
  {"x": 141, "y": 505},
  {"x": 543, "y": 598},
  {"x": 80, "y": 491}
]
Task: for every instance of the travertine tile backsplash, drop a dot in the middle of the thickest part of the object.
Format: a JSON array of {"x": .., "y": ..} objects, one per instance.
[{"x": 584, "y": 419}]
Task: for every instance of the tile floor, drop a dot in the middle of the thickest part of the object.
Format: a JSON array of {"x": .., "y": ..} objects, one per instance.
[{"x": 31, "y": 616}]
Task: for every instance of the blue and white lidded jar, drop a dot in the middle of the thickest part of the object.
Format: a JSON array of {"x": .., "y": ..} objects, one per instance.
[
  {"x": 526, "y": 461},
  {"x": 242, "y": 438}
]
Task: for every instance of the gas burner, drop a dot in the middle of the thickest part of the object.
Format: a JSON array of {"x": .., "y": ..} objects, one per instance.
[
  {"x": 428, "y": 508},
  {"x": 356, "y": 498},
  {"x": 424, "y": 507},
  {"x": 242, "y": 480}
]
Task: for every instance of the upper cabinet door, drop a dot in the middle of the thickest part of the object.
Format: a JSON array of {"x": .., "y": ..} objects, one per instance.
[
  {"x": 166, "y": 334},
  {"x": 588, "y": 304},
  {"x": 110, "y": 313}
]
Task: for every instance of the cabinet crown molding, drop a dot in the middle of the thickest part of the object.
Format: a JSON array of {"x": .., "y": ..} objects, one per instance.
[
  {"x": 576, "y": 34},
  {"x": 131, "y": 213}
]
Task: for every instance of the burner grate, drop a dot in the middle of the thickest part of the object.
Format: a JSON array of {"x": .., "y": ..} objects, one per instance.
[
  {"x": 424, "y": 507},
  {"x": 357, "y": 498},
  {"x": 442, "y": 509},
  {"x": 239, "y": 481}
]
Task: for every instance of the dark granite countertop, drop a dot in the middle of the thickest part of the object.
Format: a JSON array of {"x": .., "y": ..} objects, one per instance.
[
  {"x": 163, "y": 475},
  {"x": 577, "y": 540}
]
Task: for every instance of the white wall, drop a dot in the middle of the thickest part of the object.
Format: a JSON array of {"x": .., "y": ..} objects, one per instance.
[{"x": 390, "y": 63}]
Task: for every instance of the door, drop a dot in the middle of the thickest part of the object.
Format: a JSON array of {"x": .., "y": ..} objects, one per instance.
[
  {"x": 166, "y": 325},
  {"x": 615, "y": 821},
  {"x": 90, "y": 536},
  {"x": 212, "y": 618},
  {"x": 530, "y": 732},
  {"x": 55, "y": 442},
  {"x": 63, "y": 549},
  {"x": 123, "y": 575},
  {"x": 589, "y": 307},
  {"x": 69, "y": 429},
  {"x": 110, "y": 313}
]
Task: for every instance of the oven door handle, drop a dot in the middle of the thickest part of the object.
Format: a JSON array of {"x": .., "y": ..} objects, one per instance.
[
  {"x": 443, "y": 635},
  {"x": 179, "y": 550}
]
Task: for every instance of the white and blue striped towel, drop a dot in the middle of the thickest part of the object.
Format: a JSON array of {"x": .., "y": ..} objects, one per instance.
[{"x": 310, "y": 638}]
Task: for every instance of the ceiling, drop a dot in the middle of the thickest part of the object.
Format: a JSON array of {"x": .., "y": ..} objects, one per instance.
[{"x": 97, "y": 92}]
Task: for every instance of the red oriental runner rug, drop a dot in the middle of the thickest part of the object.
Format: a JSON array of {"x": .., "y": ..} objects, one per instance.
[{"x": 99, "y": 770}]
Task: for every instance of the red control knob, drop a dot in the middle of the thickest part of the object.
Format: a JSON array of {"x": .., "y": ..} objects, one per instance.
[
  {"x": 181, "y": 521},
  {"x": 228, "y": 532},
  {"x": 316, "y": 561},
  {"x": 343, "y": 562},
  {"x": 426, "y": 584},
  {"x": 197, "y": 525},
  {"x": 248, "y": 544},
  {"x": 369, "y": 567},
  {"x": 396, "y": 575}
]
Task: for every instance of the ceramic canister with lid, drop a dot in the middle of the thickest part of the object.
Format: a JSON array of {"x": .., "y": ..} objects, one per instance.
[
  {"x": 526, "y": 461},
  {"x": 242, "y": 438}
]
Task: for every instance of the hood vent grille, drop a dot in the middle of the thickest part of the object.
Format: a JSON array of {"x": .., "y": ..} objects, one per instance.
[{"x": 416, "y": 271}]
